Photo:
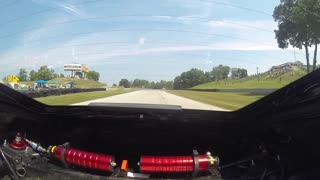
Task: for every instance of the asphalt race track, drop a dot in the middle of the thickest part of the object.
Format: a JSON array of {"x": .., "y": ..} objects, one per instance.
[{"x": 154, "y": 97}]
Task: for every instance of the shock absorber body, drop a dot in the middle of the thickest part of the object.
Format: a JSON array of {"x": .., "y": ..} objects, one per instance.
[
  {"x": 83, "y": 158},
  {"x": 148, "y": 164},
  {"x": 177, "y": 164}
]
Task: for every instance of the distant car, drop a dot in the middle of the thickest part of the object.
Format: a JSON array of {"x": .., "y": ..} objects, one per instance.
[{"x": 70, "y": 85}]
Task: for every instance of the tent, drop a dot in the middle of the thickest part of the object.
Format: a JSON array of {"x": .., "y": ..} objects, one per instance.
[
  {"x": 53, "y": 84},
  {"x": 70, "y": 85},
  {"x": 41, "y": 81}
]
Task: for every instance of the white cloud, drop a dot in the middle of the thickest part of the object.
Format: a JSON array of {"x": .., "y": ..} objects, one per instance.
[
  {"x": 132, "y": 51},
  {"x": 215, "y": 24},
  {"x": 263, "y": 25},
  {"x": 69, "y": 8},
  {"x": 162, "y": 17},
  {"x": 189, "y": 19},
  {"x": 66, "y": 52},
  {"x": 266, "y": 25},
  {"x": 142, "y": 41},
  {"x": 217, "y": 47},
  {"x": 35, "y": 34},
  {"x": 208, "y": 62}
]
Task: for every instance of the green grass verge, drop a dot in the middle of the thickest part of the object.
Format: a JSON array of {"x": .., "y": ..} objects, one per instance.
[
  {"x": 80, "y": 97},
  {"x": 265, "y": 81},
  {"x": 226, "y": 100},
  {"x": 81, "y": 83}
]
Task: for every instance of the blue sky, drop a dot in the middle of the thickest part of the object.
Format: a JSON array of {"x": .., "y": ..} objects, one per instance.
[{"x": 146, "y": 39}]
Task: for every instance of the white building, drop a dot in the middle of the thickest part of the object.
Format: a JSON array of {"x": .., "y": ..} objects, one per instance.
[{"x": 76, "y": 67}]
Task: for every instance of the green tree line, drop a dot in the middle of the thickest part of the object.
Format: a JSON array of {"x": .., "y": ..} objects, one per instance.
[
  {"x": 195, "y": 76},
  {"x": 141, "y": 83},
  {"x": 44, "y": 73},
  {"x": 188, "y": 79},
  {"x": 94, "y": 75}
]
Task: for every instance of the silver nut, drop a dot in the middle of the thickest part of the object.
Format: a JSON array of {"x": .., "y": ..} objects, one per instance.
[{"x": 113, "y": 164}]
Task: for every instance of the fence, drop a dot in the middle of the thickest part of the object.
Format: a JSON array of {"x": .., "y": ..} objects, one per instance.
[
  {"x": 52, "y": 92},
  {"x": 251, "y": 91}
]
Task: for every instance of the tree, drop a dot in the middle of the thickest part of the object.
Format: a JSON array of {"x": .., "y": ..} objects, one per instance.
[
  {"x": 208, "y": 76},
  {"x": 193, "y": 77},
  {"x": 94, "y": 75},
  {"x": 61, "y": 75},
  {"x": 243, "y": 73},
  {"x": 22, "y": 75},
  {"x": 169, "y": 85},
  {"x": 157, "y": 85},
  {"x": 45, "y": 73},
  {"x": 220, "y": 72},
  {"x": 163, "y": 84},
  {"x": 32, "y": 75},
  {"x": 238, "y": 73},
  {"x": 125, "y": 83},
  {"x": 298, "y": 25},
  {"x": 114, "y": 85},
  {"x": 189, "y": 79},
  {"x": 152, "y": 85},
  {"x": 235, "y": 72},
  {"x": 140, "y": 83},
  {"x": 136, "y": 83}
]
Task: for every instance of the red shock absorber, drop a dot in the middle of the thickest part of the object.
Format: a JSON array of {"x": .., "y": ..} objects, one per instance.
[
  {"x": 82, "y": 158},
  {"x": 177, "y": 164}
]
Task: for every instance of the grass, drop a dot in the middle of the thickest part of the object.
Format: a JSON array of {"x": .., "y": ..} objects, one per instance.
[
  {"x": 80, "y": 97},
  {"x": 226, "y": 100},
  {"x": 80, "y": 83},
  {"x": 265, "y": 81}
]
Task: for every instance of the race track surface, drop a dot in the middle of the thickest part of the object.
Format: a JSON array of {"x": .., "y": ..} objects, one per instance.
[{"x": 154, "y": 97}]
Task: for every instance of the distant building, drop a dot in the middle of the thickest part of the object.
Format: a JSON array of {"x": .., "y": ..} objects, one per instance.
[
  {"x": 77, "y": 68},
  {"x": 286, "y": 66}
]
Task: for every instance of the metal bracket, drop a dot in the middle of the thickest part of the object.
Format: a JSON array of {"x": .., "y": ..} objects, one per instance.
[
  {"x": 63, "y": 150},
  {"x": 195, "y": 163}
]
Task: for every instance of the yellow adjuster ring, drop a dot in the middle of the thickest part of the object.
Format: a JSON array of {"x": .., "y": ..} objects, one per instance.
[{"x": 53, "y": 148}]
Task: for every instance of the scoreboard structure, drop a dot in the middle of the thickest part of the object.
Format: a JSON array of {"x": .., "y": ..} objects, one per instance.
[{"x": 76, "y": 68}]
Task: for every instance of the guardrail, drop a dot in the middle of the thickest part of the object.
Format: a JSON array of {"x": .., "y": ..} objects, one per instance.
[
  {"x": 251, "y": 91},
  {"x": 54, "y": 92}
]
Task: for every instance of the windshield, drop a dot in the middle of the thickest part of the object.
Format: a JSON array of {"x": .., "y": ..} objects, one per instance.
[{"x": 198, "y": 54}]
